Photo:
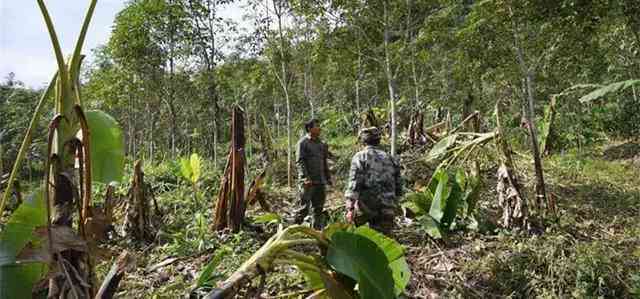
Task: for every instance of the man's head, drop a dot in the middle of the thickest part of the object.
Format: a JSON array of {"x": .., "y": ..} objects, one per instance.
[
  {"x": 370, "y": 136},
  {"x": 313, "y": 128}
]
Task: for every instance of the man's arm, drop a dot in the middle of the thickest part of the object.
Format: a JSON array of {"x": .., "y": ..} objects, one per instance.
[
  {"x": 327, "y": 173},
  {"x": 397, "y": 177},
  {"x": 354, "y": 184},
  {"x": 303, "y": 173}
]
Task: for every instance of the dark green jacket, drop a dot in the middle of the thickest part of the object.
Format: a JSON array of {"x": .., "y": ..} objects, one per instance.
[{"x": 311, "y": 160}]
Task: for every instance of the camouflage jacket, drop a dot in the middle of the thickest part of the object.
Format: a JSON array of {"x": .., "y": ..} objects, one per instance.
[
  {"x": 311, "y": 160},
  {"x": 374, "y": 179}
]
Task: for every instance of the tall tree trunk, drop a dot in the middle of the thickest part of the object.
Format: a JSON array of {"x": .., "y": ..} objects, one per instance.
[
  {"x": 215, "y": 133},
  {"x": 213, "y": 85},
  {"x": 359, "y": 78},
  {"x": 278, "y": 7},
  {"x": 171, "y": 85},
  {"x": 152, "y": 129},
  {"x": 541, "y": 196},
  {"x": 391, "y": 84},
  {"x": 527, "y": 71},
  {"x": 174, "y": 123},
  {"x": 412, "y": 56}
]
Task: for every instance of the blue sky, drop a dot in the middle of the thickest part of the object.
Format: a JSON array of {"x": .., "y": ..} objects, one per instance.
[{"x": 25, "y": 48}]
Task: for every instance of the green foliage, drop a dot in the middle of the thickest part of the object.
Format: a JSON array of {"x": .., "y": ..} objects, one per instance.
[
  {"x": 107, "y": 147},
  {"x": 440, "y": 149},
  {"x": 268, "y": 218},
  {"x": 351, "y": 252},
  {"x": 207, "y": 275},
  {"x": 361, "y": 259},
  {"x": 191, "y": 168},
  {"x": 450, "y": 197},
  {"x": 395, "y": 256},
  {"x": 607, "y": 89},
  {"x": 17, "y": 279}
]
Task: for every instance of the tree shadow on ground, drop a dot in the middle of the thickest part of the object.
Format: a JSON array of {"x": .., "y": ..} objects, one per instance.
[
  {"x": 599, "y": 201},
  {"x": 623, "y": 151}
]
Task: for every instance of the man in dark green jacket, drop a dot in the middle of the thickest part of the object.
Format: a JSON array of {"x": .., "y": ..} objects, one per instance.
[{"x": 313, "y": 174}]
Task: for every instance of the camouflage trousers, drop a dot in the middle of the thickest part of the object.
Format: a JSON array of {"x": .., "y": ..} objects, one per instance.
[
  {"x": 382, "y": 220},
  {"x": 311, "y": 197}
]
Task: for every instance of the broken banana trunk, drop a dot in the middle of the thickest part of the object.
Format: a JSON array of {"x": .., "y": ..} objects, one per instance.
[
  {"x": 514, "y": 205},
  {"x": 138, "y": 223},
  {"x": 230, "y": 206}
]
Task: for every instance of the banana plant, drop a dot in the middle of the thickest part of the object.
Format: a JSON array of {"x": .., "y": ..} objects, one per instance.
[
  {"x": 349, "y": 262},
  {"x": 82, "y": 147},
  {"x": 447, "y": 202}
]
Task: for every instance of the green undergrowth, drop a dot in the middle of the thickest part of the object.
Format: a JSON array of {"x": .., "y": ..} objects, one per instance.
[{"x": 590, "y": 250}]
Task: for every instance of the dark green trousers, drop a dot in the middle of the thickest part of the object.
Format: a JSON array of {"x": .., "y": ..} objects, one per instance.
[{"x": 311, "y": 197}]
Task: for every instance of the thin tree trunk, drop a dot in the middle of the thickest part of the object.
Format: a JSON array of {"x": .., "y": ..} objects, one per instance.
[
  {"x": 171, "y": 97},
  {"x": 284, "y": 82},
  {"x": 412, "y": 56},
  {"x": 541, "y": 196},
  {"x": 390, "y": 79},
  {"x": 527, "y": 71}
]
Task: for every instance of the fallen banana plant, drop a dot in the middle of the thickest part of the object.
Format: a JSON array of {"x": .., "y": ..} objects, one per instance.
[
  {"x": 457, "y": 148},
  {"x": 340, "y": 262},
  {"x": 515, "y": 211}
]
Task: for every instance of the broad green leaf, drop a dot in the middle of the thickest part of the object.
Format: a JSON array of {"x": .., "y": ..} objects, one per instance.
[
  {"x": 431, "y": 227},
  {"x": 394, "y": 253},
  {"x": 461, "y": 178},
  {"x": 195, "y": 162},
  {"x": 313, "y": 278},
  {"x": 335, "y": 289},
  {"x": 107, "y": 147},
  {"x": 334, "y": 227},
  {"x": 391, "y": 248},
  {"x": 17, "y": 280},
  {"x": 317, "y": 280},
  {"x": 439, "y": 174},
  {"x": 413, "y": 207},
  {"x": 185, "y": 169},
  {"x": 418, "y": 202},
  {"x": 611, "y": 88},
  {"x": 205, "y": 277},
  {"x": 440, "y": 196},
  {"x": 401, "y": 275},
  {"x": 361, "y": 259},
  {"x": 471, "y": 195},
  {"x": 442, "y": 146},
  {"x": 452, "y": 203},
  {"x": 267, "y": 218}
]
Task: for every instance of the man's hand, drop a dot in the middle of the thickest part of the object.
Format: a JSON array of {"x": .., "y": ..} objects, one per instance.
[
  {"x": 308, "y": 183},
  {"x": 351, "y": 210},
  {"x": 350, "y": 216}
]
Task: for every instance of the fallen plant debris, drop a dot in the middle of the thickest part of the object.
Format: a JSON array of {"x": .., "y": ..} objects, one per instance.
[{"x": 345, "y": 257}]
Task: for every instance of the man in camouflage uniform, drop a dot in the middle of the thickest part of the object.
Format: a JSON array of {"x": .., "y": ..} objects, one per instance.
[
  {"x": 313, "y": 174},
  {"x": 374, "y": 184}
]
